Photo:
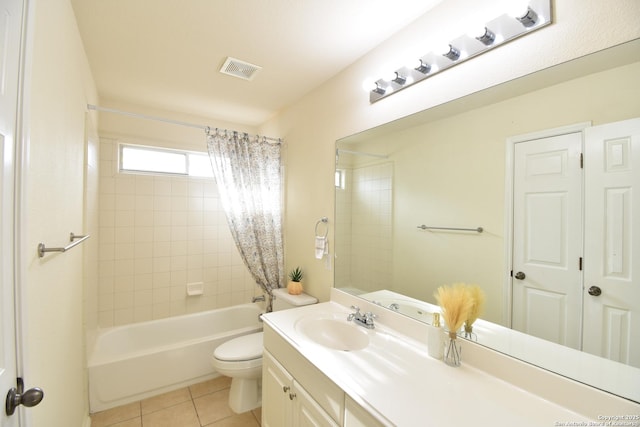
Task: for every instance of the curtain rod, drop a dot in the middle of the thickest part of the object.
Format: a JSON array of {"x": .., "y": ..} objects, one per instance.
[{"x": 164, "y": 120}]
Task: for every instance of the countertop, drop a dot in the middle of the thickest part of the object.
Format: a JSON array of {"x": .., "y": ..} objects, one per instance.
[{"x": 396, "y": 380}]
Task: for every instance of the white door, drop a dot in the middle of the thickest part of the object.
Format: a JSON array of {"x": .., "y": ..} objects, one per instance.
[
  {"x": 10, "y": 33},
  {"x": 547, "y": 238},
  {"x": 612, "y": 249}
]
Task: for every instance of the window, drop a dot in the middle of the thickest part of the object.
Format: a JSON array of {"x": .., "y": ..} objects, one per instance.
[
  {"x": 340, "y": 178},
  {"x": 137, "y": 158}
]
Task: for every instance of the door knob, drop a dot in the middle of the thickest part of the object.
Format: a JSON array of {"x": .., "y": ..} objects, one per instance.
[
  {"x": 595, "y": 291},
  {"x": 520, "y": 275},
  {"x": 29, "y": 398}
]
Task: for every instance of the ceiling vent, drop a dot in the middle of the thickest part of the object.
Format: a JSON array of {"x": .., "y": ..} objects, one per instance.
[{"x": 243, "y": 70}]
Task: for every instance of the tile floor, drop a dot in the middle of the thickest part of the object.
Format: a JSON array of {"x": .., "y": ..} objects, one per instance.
[{"x": 199, "y": 405}]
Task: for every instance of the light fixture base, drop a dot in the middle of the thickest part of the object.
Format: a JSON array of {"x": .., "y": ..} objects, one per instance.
[{"x": 498, "y": 31}]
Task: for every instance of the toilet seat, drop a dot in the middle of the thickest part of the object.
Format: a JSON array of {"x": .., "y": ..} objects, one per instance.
[{"x": 244, "y": 348}]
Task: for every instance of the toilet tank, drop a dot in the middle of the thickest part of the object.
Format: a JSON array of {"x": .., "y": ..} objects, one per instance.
[{"x": 284, "y": 301}]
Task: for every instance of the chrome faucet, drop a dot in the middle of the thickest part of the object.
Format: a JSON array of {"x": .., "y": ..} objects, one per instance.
[
  {"x": 394, "y": 306},
  {"x": 362, "y": 319},
  {"x": 258, "y": 298}
]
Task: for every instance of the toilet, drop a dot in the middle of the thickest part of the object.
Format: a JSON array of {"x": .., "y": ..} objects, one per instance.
[{"x": 241, "y": 358}]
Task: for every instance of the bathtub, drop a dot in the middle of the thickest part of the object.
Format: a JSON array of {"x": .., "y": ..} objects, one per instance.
[{"x": 133, "y": 362}]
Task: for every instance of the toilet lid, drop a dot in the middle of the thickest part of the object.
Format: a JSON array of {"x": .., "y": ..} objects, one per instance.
[{"x": 246, "y": 347}]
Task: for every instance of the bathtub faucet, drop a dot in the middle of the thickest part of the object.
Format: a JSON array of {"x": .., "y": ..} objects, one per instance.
[{"x": 258, "y": 298}]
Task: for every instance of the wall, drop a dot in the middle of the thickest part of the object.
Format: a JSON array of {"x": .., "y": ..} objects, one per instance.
[
  {"x": 340, "y": 108},
  {"x": 59, "y": 85},
  {"x": 158, "y": 233}
]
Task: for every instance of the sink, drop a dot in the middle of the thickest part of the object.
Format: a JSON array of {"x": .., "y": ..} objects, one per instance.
[{"x": 336, "y": 334}]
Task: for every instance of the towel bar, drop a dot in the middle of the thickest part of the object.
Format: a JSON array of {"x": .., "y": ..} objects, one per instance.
[
  {"x": 323, "y": 220},
  {"x": 477, "y": 229},
  {"x": 42, "y": 248}
]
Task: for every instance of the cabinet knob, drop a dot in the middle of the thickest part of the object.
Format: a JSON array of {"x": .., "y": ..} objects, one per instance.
[
  {"x": 285, "y": 388},
  {"x": 292, "y": 396}
]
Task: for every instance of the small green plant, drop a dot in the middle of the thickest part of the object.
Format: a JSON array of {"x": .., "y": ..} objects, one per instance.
[{"x": 296, "y": 275}]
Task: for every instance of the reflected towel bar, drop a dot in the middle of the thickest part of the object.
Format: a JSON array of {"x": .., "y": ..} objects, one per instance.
[
  {"x": 42, "y": 248},
  {"x": 323, "y": 220},
  {"x": 424, "y": 227}
]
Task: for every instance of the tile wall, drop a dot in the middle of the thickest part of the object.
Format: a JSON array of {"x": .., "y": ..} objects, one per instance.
[
  {"x": 365, "y": 263},
  {"x": 158, "y": 233}
]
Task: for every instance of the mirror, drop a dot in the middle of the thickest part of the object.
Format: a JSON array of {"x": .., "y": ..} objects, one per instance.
[{"x": 446, "y": 167}]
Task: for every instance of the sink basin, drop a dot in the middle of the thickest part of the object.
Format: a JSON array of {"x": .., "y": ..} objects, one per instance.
[{"x": 336, "y": 334}]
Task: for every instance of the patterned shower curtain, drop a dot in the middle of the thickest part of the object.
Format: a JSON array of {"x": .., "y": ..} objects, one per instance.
[{"x": 248, "y": 173}]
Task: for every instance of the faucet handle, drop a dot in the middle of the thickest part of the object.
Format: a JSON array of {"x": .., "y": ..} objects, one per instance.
[
  {"x": 352, "y": 315},
  {"x": 368, "y": 318}
]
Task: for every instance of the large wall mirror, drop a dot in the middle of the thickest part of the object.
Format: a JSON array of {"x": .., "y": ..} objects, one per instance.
[{"x": 447, "y": 167}]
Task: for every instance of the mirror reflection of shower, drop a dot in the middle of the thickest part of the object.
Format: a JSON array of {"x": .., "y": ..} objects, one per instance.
[{"x": 364, "y": 184}]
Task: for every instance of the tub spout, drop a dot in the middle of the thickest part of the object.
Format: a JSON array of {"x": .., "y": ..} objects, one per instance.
[{"x": 258, "y": 298}]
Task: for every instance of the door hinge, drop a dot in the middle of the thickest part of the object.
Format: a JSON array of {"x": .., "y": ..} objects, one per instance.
[
  {"x": 580, "y": 263},
  {"x": 581, "y": 161}
]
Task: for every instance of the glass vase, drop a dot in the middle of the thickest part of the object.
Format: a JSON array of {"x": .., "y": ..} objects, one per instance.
[
  {"x": 469, "y": 334},
  {"x": 452, "y": 350}
]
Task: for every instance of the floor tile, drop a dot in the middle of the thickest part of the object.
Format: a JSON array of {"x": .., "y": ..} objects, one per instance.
[
  {"x": 115, "y": 415},
  {"x": 258, "y": 414},
  {"x": 182, "y": 415},
  {"x": 165, "y": 400},
  {"x": 210, "y": 386},
  {"x": 134, "y": 422},
  {"x": 213, "y": 407},
  {"x": 241, "y": 420},
  {"x": 204, "y": 404}
]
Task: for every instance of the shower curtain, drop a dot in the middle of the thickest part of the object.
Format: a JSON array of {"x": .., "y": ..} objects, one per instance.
[{"x": 247, "y": 170}]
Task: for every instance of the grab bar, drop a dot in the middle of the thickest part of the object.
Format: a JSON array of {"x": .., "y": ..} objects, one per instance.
[
  {"x": 42, "y": 248},
  {"x": 424, "y": 227}
]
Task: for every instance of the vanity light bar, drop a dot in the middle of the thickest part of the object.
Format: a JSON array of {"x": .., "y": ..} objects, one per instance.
[{"x": 504, "y": 28}]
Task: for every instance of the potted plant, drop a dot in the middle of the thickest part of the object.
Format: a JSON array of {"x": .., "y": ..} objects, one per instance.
[{"x": 294, "y": 287}]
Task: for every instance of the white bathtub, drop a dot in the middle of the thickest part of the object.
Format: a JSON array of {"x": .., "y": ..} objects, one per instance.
[{"x": 133, "y": 362}]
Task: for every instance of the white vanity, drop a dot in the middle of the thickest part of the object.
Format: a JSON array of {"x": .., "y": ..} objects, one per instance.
[{"x": 321, "y": 370}]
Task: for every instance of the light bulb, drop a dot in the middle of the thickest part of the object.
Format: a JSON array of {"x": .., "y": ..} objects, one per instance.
[
  {"x": 517, "y": 8},
  {"x": 369, "y": 84},
  {"x": 450, "y": 52},
  {"x": 422, "y": 67},
  {"x": 483, "y": 35},
  {"x": 390, "y": 76},
  {"x": 523, "y": 13},
  {"x": 476, "y": 30}
]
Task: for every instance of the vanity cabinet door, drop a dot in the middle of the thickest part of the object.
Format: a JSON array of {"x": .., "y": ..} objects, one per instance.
[
  {"x": 356, "y": 416},
  {"x": 307, "y": 412},
  {"x": 285, "y": 403},
  {"x": 277, "y": 394}
]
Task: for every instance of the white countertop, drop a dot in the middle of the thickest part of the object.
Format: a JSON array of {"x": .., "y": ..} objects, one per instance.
[{"x": 395, "y": 379}]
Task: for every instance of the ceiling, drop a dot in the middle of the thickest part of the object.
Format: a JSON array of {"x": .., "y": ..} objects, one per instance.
[{"x": 166, "y": 54}]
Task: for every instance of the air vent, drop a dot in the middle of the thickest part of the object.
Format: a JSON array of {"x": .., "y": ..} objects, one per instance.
[{"x": 243, "y": 70}]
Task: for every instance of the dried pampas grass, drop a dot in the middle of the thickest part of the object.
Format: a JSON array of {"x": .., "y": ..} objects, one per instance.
[
  {"x": 455, "y": 301},
  {"x": 477, "y": 307}
]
